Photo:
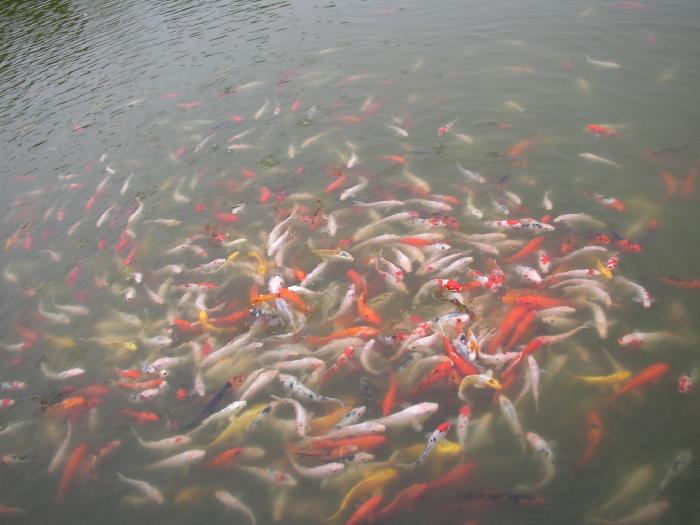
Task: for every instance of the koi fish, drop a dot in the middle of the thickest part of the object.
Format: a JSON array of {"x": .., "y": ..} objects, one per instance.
[
  {"x": 651, "y": 374},
  {"x": 594, "y": 435},
  {"x": 70, "y": 470}
]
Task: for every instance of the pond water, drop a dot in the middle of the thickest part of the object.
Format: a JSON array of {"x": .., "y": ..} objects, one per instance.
[{"x": 208, "y": 202}]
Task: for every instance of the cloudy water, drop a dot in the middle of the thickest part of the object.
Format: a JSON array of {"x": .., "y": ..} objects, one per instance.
[{"x": 238, "y": 235}]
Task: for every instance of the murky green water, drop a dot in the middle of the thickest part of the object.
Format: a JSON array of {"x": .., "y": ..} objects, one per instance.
[{"x": 207, "y": 106}]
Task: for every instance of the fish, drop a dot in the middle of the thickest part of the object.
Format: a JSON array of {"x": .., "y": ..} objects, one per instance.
[
  {"x": 374, "y": 482},
  {"x": 186, "y": 458},
  {"x": 594, "y": 436},
  {"x": 602, "y": 63},
  {"x": 634, "y": 483},
  {"x": 650, "y": 513},
  {"x": 144, "y": 487},
  {"x": 597, "y": 158},
  {"x": 70, "y": 470},
  {"x": 679, "y": 464},
  {"x": 232, "y": 502}
]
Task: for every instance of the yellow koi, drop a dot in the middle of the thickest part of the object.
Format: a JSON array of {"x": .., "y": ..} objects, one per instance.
[
  {"x": 609, "y": 380},
  {"x": 239, "y": 425},
  {"x": 322, "y": 424},
  {"x": 232, "y": 257},
  {"x": 262, "y": 263},
  {"x": 192, "y": 494},
  {"x": 604, "y": 271},
  {"x": 61, "y": 342},
  {"x": 372, "y": 484},
  {"x": 204, "y": 320},
  {"x": 443, "y": 455}
]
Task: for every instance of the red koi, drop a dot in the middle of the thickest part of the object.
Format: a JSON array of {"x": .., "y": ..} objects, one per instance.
[
  {"x": 599, "y": 130},
  {"x": 465, "y": 368},
  {"x": 340, "y": 363},
  {"x": 523, "y": 326},
  {"x": 265, "y": 195},
  {"x": 507, "y": 325},
  {"x": 224, "y": 460},
  {"x": 437, "y": 374},
  {"x": 295, "y": 105}
]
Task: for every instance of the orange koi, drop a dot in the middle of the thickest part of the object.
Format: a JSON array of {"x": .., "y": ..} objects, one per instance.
[
  {"x": 361, "y": 442},
  {"x": 358, "y": 281},
  {"x": 349, "y": 119},
  {"x": 67, "y": 404},
  {"x": 140, "y": 417},
  {"x": 650, "y": 374},
  {"x": 594, "y": 434},
  {"x": 390, "y": 397},
  {"x": 295, "y": 105},
  {"x": 395, "y": 159},
  {"x": 415, "y": 241},
  {"x": 521, "y": 147},
  {"x": 366, "y": 312},
  {"x": 336, "y": 184},
  {"x": 535, "y": 302},
  {"x": 70, "y": 471},
  {"x": 365, "y": 511},
  {"x": 531, "y": 247},
  {"x": 403, "y": 501},
  {"x": 141, "y": 385},
  {"x": 294, "y": 300},
  {"x": 688, "y": 186},
  {"x": 453, "y": 478},
  {"x": 355, "y": 331},
  {"x": 669, "y": 183},
  {"x": 265, "y": 194}
]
